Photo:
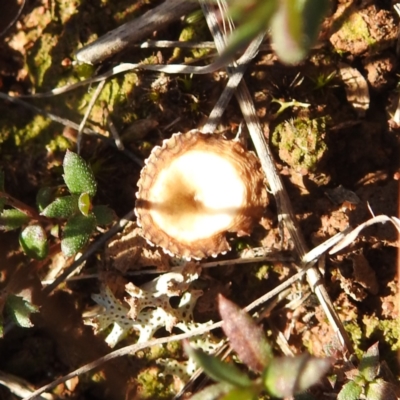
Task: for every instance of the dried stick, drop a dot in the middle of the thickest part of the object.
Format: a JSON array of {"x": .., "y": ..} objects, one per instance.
[
  {"x": 123, "y": 36},
  {"x": 24, "y": 208},
  {"x": 14, "y": 20},
  {"x": 89, "y": 108},
  {"x": 286, "y": 213},
  {"x": 69, "y": 123},
  {"x": 133, "y": 348},
  {"x": 91, "y": 250}
]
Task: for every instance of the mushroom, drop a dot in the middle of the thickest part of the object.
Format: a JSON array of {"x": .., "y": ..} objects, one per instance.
[{"x": 195, "y": 188}]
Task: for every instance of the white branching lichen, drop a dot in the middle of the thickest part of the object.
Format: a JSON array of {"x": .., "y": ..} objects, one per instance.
[{"x": 147, "y": 308}]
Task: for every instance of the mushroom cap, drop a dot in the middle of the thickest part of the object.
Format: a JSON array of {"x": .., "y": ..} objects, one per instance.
[{"x": 195, "y": 188}]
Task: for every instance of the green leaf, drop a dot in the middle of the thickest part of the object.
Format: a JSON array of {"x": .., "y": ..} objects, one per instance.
[
  {"x": 286, "y": 376},
  {"x": 245, "y": 336},
  {"x": 248, "y": 393},
  {"x": 2, "y": 199},
  {"x": 12, "y": 219},
  {"x": 63, "y": 207},
  {"x": 212, "y": 392},
  {"x": 104, "y": 215},
  {"x": 217, "y": 369},
  {"x": 33, "y": 240},
  {"x": 76, "y": 233},
  {"x": 55, "y": 231},
  {"x": 369, "y": 364},
  {"x": 350, "y": 391},
  {"x": 44, "y": 197},
  {"x": 294, "y": 27},
  {"x": 84, "y": 204},
  {"x": 253, "y": 17},
  {"x": 20, "y": 310},
  {"x": 77, "y": 175},
  {"x": 381, "y": 390}
]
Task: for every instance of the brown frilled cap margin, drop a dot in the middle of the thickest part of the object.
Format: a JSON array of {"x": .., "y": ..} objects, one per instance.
[{"x": 195, "y": 188}]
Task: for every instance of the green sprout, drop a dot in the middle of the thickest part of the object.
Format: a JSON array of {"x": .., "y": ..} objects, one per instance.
[
  {"x": 294, "y": 25},
  {"x": 366, "y": 382},
  {"x": 74, "y": 214},
  {"x": 277, "y": 376},
  {"x": 323, "y": 80}
]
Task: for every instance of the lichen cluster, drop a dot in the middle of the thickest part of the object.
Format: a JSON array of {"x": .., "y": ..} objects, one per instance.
[{"x": 147, "y": 309}]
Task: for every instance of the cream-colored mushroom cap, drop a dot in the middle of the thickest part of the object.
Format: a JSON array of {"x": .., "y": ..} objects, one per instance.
[{"x": 195, "y": 188}]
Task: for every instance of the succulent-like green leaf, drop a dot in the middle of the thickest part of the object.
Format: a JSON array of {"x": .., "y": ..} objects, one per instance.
[
  {"x": 213, "y": 392},
  {"x": 104, "y": 215},
  {"x": 44, "y": 197},
  {"x": 294, "y": 27},
  {"x": 217, "y": 369},
  {"x": 76, "y": 233},
  {"x": 369, "y": 364},
  {"x": 350, "y": 391},
  {"x": 84, "y": 204},
  {"x": 12, "y": 219},
  {"x": 55, "y": 231},
  {"x": 245, "y": 336},
  {"x": 20, "y": 310},
  {"x": 381, "y": 390},
  {"x": 78, "y": 176},
  {"x": 33, "y": 241},
  {"x": 62, "y": 207},
  {"x": 253, "y": 17},
  {"x": 286, "y": 376},
  {"x": 247, "y": 393}
]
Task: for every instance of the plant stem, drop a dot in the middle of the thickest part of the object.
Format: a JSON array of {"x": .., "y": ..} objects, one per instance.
[{"x": 19, "y": 205}]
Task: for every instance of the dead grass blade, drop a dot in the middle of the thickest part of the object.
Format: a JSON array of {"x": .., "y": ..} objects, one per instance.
[
  {"x": 352, "y": 236},
  {"x": 135, "y": 30},
  {"x": 285, "y": 212},
  {"x": 131, "y": 349}
]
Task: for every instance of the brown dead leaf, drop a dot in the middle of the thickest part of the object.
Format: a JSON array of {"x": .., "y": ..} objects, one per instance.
[
  {"x": 130, "y": 251},
  {"x": 356, "y": 87},
  {"x": 364, "y": 274}
]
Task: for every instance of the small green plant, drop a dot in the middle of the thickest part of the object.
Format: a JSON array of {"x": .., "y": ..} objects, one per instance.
[
  {"x": 72, "y": 213},
  {"x": 283, "y": 105},
  {"x": 278, "y": 376},
  {"x": 323, "y": 80},
  {"x": 294, "y": 25},
  {"x": 366, "y": 382}
]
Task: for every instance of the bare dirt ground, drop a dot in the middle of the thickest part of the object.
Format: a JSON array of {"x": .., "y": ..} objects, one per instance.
[{"x": 335, "y": 134}]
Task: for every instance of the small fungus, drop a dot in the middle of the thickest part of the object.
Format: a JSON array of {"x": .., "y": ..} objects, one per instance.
[{"x": 195, "y": 188}]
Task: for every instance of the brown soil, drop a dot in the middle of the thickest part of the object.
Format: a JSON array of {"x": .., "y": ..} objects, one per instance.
[{"x": 348, "y": 171}]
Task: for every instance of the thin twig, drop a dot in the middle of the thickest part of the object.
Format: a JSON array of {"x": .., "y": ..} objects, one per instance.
[
  {"x": 89, "y": 108},
  {"x": 70, "y": 124},
  {"x": 111, "y": 127},
  {"x": 312, "y": 256},
  {"x": 211, "y": 264},
  {"x": 172, "y": 44},
  {"x": 219, "y": 63},
  {"x": 15, "y": 19},
  {"x": 131, "y": 349},
  {"x": 91, "y": 250},
  {"x": 235, "y": 78},
  {"x": 18, "y": 386},
  {"x": 283, "y": 202},
  {"x": 24, "y": 208},
  {"x": 120, "y": 38}
]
